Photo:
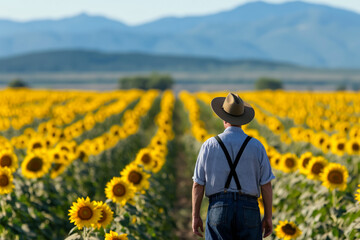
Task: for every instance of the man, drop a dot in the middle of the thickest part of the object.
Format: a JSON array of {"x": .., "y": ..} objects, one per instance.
[{"x": 232, "y": 168}]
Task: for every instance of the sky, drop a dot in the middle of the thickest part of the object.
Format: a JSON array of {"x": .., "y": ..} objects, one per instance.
[{"x": 132, "y": 12}]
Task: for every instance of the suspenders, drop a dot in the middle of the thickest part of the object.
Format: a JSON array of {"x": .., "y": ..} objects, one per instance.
[{"x": 231, "y": 165}]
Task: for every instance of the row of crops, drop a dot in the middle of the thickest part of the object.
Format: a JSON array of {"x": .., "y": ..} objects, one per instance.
[{"x": 109, "y": 165}]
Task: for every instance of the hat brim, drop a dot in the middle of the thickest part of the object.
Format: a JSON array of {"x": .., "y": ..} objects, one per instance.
[{"x": 246, "y": 117}]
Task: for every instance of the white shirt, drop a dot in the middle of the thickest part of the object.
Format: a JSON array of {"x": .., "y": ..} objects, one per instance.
[{"x": 212, "y": 168}]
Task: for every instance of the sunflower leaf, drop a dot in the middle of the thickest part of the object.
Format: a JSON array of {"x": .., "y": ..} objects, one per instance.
[{"x": 72, "y": 230}]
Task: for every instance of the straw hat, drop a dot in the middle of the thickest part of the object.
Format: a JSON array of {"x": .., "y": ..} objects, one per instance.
[{"x": 233, "y": 109}]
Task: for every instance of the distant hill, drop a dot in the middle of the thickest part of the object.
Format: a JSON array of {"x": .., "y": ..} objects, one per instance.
[
  {"x": 297, "y": 32},
  {"x": 87, "y": 61}
]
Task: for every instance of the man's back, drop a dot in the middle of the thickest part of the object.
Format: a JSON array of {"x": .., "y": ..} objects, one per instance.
[{"x": 252, "y": 170}]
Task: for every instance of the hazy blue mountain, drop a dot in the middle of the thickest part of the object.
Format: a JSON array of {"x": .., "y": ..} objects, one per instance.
[
  {"x": 297, "y": 32},
  {"x": 85, "y": 61}
]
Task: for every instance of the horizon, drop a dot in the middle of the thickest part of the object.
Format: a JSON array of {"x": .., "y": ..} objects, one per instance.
[{"x": 138, "y": 19}]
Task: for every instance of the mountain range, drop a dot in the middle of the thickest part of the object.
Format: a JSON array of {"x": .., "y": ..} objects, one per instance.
[
  {"x": 92, "y": 61},
  {"x": 295, "y": 32}
]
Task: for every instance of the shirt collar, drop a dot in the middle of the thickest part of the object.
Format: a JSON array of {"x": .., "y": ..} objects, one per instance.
[{"x": 233, "y": 129}]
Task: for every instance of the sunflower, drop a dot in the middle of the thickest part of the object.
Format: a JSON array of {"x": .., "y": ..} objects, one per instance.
[
  {"x": 136, "y": 176},
  {"x": 119, "y": 191},
  {"x": 43, "y": 128},
  {"x": 353, "y": 146},
  {"x": 307, "y": 135},
  {"x": 8, "y": 159},
  {"x": 167, "y": 131},
  {"x": 158, "y": 164},
  {"x": 20, "y": 142},
  {"x": 5, "y": 144},
  {"x": 49, "y": 142},
  {"x": 338, "y": 146},
  {"x": 117, "y": 132},
  {"x": 84, "y": 213},
  {"x": 289, "y": 162},
  {"x": 146, "y": 158},
  {"x": 58, "y": 167},
  {"x": 6, "y": 179},
  {"x": 29, "y": 132},
  {"x": 36, "y": 143},
  {"x": 106, "y": 215},
  {"x": 276, "y": 160},
  {"x": 159, "y": 150},
  {"x": 287, "y": 230},
  {"x": 334, "y": 176},
  {"x": 114, "y": 236},
  {"x": 35, "y": 165},
  {"x": 357, "y": 195},
  {"x": 158, "y": 141},
  {"x": 285, "y": 138},
  {"x": 315, "y": 167},
  {"x": 82, "y": 153},
  {"x": 320, "y": 139},
  {"x": 96, "y": 146},
  {"x": 55, "y": 134},
  {"x": 326, "y": 146},
  {"x": 304, "y": 162},
  {"x": 261, "y": 205}
]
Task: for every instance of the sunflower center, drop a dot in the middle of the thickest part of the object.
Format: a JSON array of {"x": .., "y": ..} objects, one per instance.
[
  {"x": 289, "y": 162},
  {"x": 146, "y": 158},
  {"x": 135, "y": 177},
  {"x": 4, "y": 180},
  {"x": 341, "y": 146},
  {"x": 56, "y": 156},
  {"x": 65, "y": 148},
  {"x": 85, "y": 213},
  {"x": 305, "y": 162},
  {"x": 158, "y": 142},
  {"x": 35, "y": 164},
  {"x": 335, "y": 177},
  {"x": 82, "y": 155},
  {"x": 5, "y": 161},
  {"x": 119, "y": 190},
  {"x": 317, "y": 168},
  {"x": 355, "y": 146},
  {"x": 277, "y": 160},
  {"x": 103, "y": 218},
  {"x": 289, "y": 230},
  {"x": 321, "y": 140},
  {"x": 37, "y": 145}
]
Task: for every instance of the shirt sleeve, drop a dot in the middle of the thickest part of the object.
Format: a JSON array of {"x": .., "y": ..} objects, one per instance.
[
  {"x": 199, "y": 171},
  {"x": 266, "y": 174}
]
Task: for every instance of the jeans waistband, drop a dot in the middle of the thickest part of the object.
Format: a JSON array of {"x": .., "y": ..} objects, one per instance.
[{"x": 233, "y": 195}]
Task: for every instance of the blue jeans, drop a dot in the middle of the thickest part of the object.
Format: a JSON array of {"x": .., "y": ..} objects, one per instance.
[{"x": 233, "y": 216}]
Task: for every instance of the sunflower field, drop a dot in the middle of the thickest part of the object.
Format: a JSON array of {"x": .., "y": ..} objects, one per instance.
[{"x": 118, "y": 164}]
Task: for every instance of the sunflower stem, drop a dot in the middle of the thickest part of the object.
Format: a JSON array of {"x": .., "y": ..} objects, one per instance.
[
  {"x": 334, "y": 204},
  {"x": 334, "y": 198},
  {"x": 84, "y": 234},
  {"x": 3, "y": 206}
]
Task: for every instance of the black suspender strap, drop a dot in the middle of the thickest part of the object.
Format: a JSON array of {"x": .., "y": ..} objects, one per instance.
[{"x": 231, "y": 165}]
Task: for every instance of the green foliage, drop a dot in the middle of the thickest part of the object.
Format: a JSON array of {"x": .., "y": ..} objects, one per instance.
[
  {"x": 38, "y": 209},
  {"x": 268, "y": 83},
  {"x": 17, "y": 83},
  {"x": 152, "y": 81},
  {"x": 341, "y": 87}
]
